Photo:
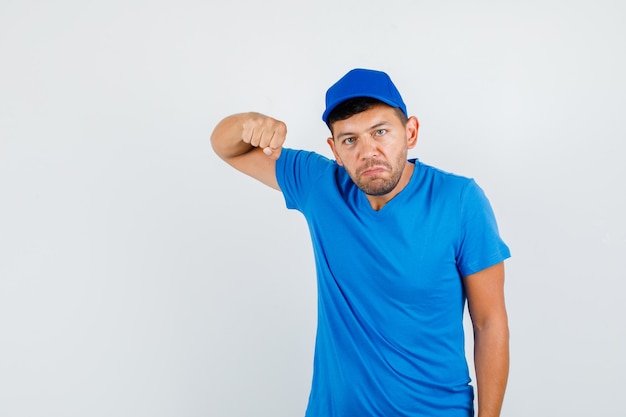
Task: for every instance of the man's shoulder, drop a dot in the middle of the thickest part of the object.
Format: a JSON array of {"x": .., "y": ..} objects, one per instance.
[
  {"x": 303, "y": 166},
  {"x": 439, "y": 175},
  {"x": 304, "y": 159}
]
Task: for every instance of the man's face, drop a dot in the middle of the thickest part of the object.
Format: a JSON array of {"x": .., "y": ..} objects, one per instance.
[{"x": 372, "y": 146}]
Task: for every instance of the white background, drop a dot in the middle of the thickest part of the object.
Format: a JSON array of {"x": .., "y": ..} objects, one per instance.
[{"x": 141, "y": 276}]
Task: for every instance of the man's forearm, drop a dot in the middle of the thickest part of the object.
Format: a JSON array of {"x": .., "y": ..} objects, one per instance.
[
  {"x": 491, "y": 359},
  {"x": 226, "y": 138}
]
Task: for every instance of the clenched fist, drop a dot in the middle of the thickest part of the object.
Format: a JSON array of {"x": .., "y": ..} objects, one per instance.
[{"x": 264, "y": 132}]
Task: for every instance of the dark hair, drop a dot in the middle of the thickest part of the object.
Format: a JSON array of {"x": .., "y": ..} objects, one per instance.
[{"x": 357, "y": 105}]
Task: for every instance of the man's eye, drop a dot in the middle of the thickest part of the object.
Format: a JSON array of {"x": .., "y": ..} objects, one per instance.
[
  {"x": 349, "y": 140},
  {"x": 381, "y": 132}
]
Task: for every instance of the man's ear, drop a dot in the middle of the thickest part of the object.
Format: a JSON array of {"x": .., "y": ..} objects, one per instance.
[
  {"x": 412, "y": 126},
  {"x": 331, "y": 143}
]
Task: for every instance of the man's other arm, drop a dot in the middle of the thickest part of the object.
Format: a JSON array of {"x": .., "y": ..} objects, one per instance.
[{"x": 485, "y": 296}]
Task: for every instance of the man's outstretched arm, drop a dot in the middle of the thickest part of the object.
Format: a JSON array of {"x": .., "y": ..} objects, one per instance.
[
  {"x": 485, "y": 297},
  {"x": 251, "y": 143}
]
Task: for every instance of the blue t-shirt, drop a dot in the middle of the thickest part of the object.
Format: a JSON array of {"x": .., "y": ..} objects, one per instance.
[{"x": 390, "y": 338}]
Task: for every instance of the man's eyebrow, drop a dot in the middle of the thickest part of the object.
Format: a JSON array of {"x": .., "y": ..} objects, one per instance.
[{"x": 379, "y": 124}]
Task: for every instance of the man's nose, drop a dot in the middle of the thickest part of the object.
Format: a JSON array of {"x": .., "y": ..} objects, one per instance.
[{"x": 369, "y": 147}]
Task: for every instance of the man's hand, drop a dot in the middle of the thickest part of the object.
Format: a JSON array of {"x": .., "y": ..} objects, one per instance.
[{"x": 264, "y": 132}]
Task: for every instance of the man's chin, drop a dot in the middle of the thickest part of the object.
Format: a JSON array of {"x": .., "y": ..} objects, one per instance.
[{"x": 376, "y": 187}]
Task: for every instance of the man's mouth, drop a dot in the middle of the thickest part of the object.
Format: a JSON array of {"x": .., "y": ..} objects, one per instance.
[{"x": 375, "y": 170}]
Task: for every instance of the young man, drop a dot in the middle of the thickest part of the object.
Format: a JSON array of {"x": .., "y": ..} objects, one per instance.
[{"x": 399, "y": 247}]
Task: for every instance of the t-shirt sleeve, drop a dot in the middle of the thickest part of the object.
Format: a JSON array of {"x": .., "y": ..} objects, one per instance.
[
  {"x": 480, "y": 243},
  {"x": 297, "y": 172}
]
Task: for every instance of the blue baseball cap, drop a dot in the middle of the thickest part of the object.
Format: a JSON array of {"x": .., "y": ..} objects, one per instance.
[{"x": 361, "y": 82}]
